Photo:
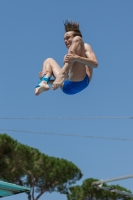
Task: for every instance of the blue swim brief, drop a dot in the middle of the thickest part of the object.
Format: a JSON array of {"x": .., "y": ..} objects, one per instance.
[{"x": 70, "y": 87}]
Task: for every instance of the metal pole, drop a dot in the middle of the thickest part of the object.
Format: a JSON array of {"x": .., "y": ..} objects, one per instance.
[
  {"x": 114, "y": 190},
  {"x": 112, "y": 179}
]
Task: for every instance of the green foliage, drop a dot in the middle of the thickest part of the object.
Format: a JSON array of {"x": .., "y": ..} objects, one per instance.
[
  {"x": 87, "y": 192},
  {"x": 27, "y": 166},
  {"x": 118, "y": 196},
  {"x": 7, "y": 147},
  {"x": 14, "y": 158}
]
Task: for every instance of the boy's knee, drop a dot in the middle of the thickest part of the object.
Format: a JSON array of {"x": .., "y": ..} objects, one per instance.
[
  {"x": 77, "y": 45},
  {"x": 77, "y": 39},
  {"x": 48, "y": 60}
]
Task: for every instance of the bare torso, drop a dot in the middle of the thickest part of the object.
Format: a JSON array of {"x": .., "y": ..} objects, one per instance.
[{"x": 78, "y": 71}]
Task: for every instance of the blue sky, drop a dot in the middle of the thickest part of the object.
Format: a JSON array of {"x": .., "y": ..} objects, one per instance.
[{"x": 30, "y": 32}]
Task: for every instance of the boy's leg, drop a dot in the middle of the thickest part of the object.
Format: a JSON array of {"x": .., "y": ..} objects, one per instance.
[
  {"x": 77, "y": 46},
  {"x": 50, "y": 67}
]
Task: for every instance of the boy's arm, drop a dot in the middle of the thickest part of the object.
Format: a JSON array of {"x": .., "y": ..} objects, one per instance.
[{"x": 90, "y": 59}]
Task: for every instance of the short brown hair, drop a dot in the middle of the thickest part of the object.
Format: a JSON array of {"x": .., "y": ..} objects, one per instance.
[{"x": 72, "y": 26}]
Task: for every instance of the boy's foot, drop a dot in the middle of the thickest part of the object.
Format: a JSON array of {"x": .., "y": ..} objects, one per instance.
[
  {"x": 43, "y": 86},
  {"x": 59, "y": 80}
]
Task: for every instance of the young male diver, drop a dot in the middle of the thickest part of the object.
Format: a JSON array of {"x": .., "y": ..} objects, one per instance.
[{"x": 78, "y": 64}]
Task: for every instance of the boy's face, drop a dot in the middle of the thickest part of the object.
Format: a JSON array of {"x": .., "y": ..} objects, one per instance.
[{"x": 68, "y": 37}]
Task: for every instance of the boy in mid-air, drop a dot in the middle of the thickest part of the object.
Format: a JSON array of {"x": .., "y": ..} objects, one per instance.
[{"x": 78, "y": 64}]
